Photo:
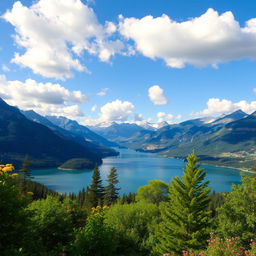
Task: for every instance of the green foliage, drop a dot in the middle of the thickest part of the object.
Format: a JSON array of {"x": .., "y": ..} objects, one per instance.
[
  {"x": 127, "y": 198},
  {"x": 95, "y": 193},
  {"x": 78, "y": 215},
  {"x": 185, "y": 218},
  {"x": 26, "y": 174},
  {"x": 111, "y": 191},
  {"x": 26, "y": 167},
  {"x": 132, "y": 223},
  {"x": 216, "y": 200},
  {"x": 51, "y": 225},
  {"x": 237, "y": 216},
  {"x": 96, "y": 238},
  {"x": 253, "y": 168},
  {"x": 78, "y": 164},
  {"x": 155, "y": 192},
  {"x": 14, "y": 218}
]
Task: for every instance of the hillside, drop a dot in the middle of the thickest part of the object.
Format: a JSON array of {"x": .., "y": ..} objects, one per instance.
[
  {"x": 119, "y": 133},
  {"x": 20, "y": 136},
  {"x": 97, "y": 144},
  {"x": 75, "y": 128},
  {"x": 228, "y": 140},
  {"x": 232, "y": 145}
]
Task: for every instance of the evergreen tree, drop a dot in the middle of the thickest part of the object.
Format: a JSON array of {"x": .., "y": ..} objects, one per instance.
[
  {"x": 26, "y": 173},
  {"x": 95, "y": 195},
  {"x": 111, "y": 191},
  {"x": 26, "y": 167},
  {"x": 185, "y": 218}
]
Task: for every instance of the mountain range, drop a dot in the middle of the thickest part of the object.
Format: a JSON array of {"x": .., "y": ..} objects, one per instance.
[
  {"x": 229, "y": 140},
  {"x": 46, "y": 144}
]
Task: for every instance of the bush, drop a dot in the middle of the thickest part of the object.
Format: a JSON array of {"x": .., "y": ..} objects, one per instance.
[
  {"x": 14, "y": 218},
  {"x": 96, "y": 238},
  {"x": 51, "y": 225},
  {"x": 224, "y": 247},
  {"x": 133, "y": 223}
]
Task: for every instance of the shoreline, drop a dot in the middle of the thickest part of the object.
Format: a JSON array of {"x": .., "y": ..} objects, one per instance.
[
  {"x": 67, "y": 169},
  {"x": 215, "y": 165},
  {"x": 230, "y": 167}
]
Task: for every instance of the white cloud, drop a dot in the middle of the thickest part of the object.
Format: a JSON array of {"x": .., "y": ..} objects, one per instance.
[
  {"x": 162, "y": 116},
  {"x": 209, "y": 39},
  {"x": 94, "y": 108},
  {"x": 103, "y": 92},
  {"x": 116, "y": 111},
  {"x": 5, "y": 68},
  {"x": 223, "y": 106},
  {"x": 156, "y": 95},
  {"x": 54, "y": 34},
  {"x": 44, "y": 98},
  {"x": 138, "y": 117}
]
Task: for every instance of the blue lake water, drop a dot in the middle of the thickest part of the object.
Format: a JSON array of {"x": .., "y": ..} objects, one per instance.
[{"x": 135, "y": 169}]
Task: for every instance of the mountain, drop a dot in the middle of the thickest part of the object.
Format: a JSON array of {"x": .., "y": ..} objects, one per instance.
[
  {"x": 237, "y": 115},
  {"x": 234, "y": 144},
  {"x": 97, "y": 144},
  {"x": 118, "y": 133},
  {"x": 230, "y": 138},
  {"x": 80, "y": 130},
  {"x": 20, "y": 136}
]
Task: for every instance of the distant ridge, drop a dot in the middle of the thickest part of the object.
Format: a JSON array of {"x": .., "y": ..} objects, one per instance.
[
  {"x": 20, "y": 136},
  {"x": 80, "y": 130}
]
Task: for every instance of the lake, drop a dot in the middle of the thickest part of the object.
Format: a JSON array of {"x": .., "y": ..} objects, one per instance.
[{"x": 135, "y": 169}]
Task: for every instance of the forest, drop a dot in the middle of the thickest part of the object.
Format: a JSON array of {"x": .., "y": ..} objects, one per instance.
[{"x": 183, "y": 217}]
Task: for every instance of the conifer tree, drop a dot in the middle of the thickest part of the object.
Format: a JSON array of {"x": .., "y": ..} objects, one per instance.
[
  {"x": 26, "y": 172},
  {"x": 185, "y": 218},
  {"x": 95, "y": 194},
  {"x": 26, "y": 167},
  {"x": 111, "y": 191}
]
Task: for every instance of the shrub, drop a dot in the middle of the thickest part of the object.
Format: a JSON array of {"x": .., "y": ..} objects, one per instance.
[{"x": 96, "y": 238}]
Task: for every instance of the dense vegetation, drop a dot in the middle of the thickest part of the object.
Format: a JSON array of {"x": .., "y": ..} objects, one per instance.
[
  {"x": 78, "y": 164},
  {"x": 182, "y": 218}
]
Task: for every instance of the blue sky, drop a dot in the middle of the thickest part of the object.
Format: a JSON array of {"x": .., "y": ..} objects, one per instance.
[{"x": 97, "y": 61}]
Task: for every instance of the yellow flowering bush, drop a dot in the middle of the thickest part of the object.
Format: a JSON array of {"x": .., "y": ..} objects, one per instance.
[
  {"x": 7, "y": 169},
  {"x": 13, "y": 214}
]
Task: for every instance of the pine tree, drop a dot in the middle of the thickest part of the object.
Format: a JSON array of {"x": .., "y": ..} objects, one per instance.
[
  {"x": 185, "y": 218},
  {"x": 111, "y": 191},
  {"x": 96, "y": 190},
  {"x": 26, "y": 167},
  {"x": 26, "y": 172}
]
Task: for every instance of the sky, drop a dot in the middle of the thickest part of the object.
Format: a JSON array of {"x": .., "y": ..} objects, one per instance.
[{"x": 128, "y": 61}]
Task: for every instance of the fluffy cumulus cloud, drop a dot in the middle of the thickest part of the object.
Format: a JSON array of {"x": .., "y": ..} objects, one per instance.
[
  {"x": 55, "y": 33},
  {"x": 209, "y": 39},
  {"x": 156, "y": 95},
  {"x": 223, "y": 106},
  {"x": 44, "y": 98},
  {"x": 116, "y": 111}
]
